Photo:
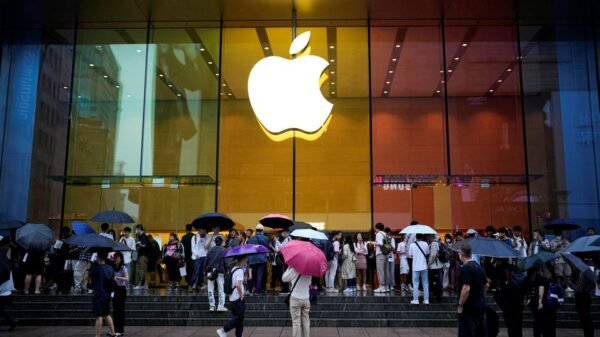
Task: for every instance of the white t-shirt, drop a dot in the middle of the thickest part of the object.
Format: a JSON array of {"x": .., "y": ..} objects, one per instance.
[
  {"x": 391, "y": 255},
  {"x": 129, "y": 242},
  {"x": 379, "y": 242},
  {"x": 107, "y": 235},
  {"x": 419, "y": 261},
  {"x": 402, "y": 250},
  {"x": 198, "y": 246},
  {"x": 238, "y": 276},
  {"x": 336, "y": 248},
  {"x": 301, "y": 290}
]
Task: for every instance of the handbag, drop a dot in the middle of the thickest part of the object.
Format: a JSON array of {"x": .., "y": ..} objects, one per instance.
[
  {"x": 287, "y": 298},
  {"x": 212, "y": 274}
]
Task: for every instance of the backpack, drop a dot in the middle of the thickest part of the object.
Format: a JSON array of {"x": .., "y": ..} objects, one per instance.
[
  {"x": 386, "y": 248},
  {"x": 228, "y": 284},
  {"x": 443, "y": 254},
  {"x": 555, "y": 296}
]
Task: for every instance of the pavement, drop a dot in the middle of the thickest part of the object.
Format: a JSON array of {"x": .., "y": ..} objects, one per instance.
[{"x": 258, "y": 332}]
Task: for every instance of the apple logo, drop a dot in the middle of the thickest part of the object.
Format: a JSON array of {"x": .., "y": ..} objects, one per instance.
[{"x": 285, "y": 94}]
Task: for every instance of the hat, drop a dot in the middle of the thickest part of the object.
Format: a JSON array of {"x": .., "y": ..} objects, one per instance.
[
  {"x": 260, "y": 227},
  {"x": 471, "y": 231}
]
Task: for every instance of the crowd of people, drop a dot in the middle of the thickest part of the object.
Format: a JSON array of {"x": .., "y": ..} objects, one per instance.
[{"x": 416, "y": 265}]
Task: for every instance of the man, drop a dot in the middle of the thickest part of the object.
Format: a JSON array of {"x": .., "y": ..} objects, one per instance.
[
  {"x": 128, "y": 241},
  {"x": 236, "y": 300},
  {"x": 215, "y": 263},
  {"x": 186, "y": 241},
  {"x": 104, "y": 227},
  {"x": 590, "y": 231},
  {"x": 199, "y": 251},
  {"x": 102, "y": 276},
  {"x": 381, "y": 260},
  {"x": 258, "y": 262},
  {"x": 391, "y": 269},
  {"x": 471, "y": 301},
  {"x": 538, "y": 243},
  {"x": 502, "y": 236},
  {"x": 216, "y": 232},
  {"x": 436, "y": 271},
  {"x": 419, "y": 252},
  {"x": 518, "y": 242},
  {"x": 142, "y": 262},
  {"x": 489, "y": 232},
  {"x": 249, "y": 233},
  {"x": 471, "y": 233},
  {"x": 562, "y": 270}
]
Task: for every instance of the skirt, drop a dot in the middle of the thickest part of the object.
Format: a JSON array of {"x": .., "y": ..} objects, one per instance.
[{"x": 361, "y": 262}]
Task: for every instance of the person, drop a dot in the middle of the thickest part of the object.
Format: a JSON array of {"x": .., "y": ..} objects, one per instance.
[
  {"x": 299, "y": 302},
  {"x": 538, "y": 243},
  {"x": 391, "y": 260},
  {"x": 435, "y": 268},
  {"x": 471, "y": 300},
  {"x": 590, "y": 231},
  {"x": 154, "y": 274},
  {"x": 214, "y": 270},
  {"x": 562, "y": 270},
  {"x": 102, "y": 276},
  {"x": 120, "y": 294},
  {"x": 216, "y": 232},
  {"x": 361, "y": 251},
  {"x": 257, "y": 262},
  {"x": 199, "y": 251},
  {"x": 448, "y": 266},
  {"x": 234, "y": 239},
  {"x": 518, "y": 242},
  {"x": 584, "y": 290},
  {"x": 285, "y": 239},
  {"x": 381, "y": 260},
  {"x": 249, "y": 233},
  {"x": 236, "y": 300},
  {"x": 489, "y": 232},
  {"x": 508, "y": 294},
  {"x": 80, "y": 269},
  {"x": 330, "y": 283},
  {"x": 472, "y": 233},
  {"x": 502, "y": 236},
  {"x": 104, "y": 231},
  {"x": 128, "y": 241},
  {"x": 142, "y": 261},
  {"x": 403, "y": 257},
  {"x": 419, "y": 251},
  {"x": 348, "y": 265},
  {"x": 243, "y": 238},
  {"x": 6, "y": 297},
  {"x": 544, "y": 315},
  {"x": 276, "y": 262},
  {"x": 173, "y": 257},
  {"x": 186, "y": 241},
  {"x": 34, "y": 269}
]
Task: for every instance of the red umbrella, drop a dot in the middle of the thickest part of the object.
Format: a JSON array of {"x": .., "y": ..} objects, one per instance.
[{"x": 305, "y": 258}]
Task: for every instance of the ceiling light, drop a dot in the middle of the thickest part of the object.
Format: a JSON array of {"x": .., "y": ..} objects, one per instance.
[
  {"x": 331, "y": 47},
  {"x": 202, "y": 49},
  {"x": 509, "y": 69},
  {"x": 332, "y": 83},
  {"x": 387, "y": 82},
  {"x": 394, "y": 59},
  {"x": 456, "y": 58},
  {"x": 117, "y": 86},
  {"x": 465, "y": 44},
  {"x": 390, "y": 71},
  {"x": 105, "y": 76},
  {"x": 170, "y": 85},
  {"x": 266, "y": 47},
  {"x": 224, "y": 84},
  {"x": 210, "y": 62},
  {"x": 65, "y": 87},
  {"x": 397, "y": 46},
  {"x": 92, "y": 65},
  {"x": 138, "y": 51},
  {"x": 443, "y": 82},
  {"x": 178, "y": 95},
  {"x": 128, "y": 95},
  {"x": 229, "y": 94},
  {"x": 385, "y": 92},
  {"x": 161, "y": 75},
  {"x": 441, "y": 71},
  {"x": 332, "y": 60},
  {"x": 450, "y": 70},
  {"x": 491, "y": 90},
  {"x": 499, "y": 81},
  {"x": 438, "y": 91},
  {"x": 332, "y": 72},
  {"x": 217, "y": 74},
  {"x": 333, "y": 92},
  {"x": 221, "y": 93}
]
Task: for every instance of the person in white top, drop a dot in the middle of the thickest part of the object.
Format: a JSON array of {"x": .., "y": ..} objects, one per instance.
[
  {"x": 418, "y": 251},
  {"x": 128, "y": 241},
  {"x": 391, "y": 264},
  {"x": 330, "y": 275},
  {"x": 436, "y": 271},
  {"x": 199, "y": 251},
  {"x": 299, "y": 302},
  {"x": 518, "y": 242},
  {"x": 381, "y": 260},
  {"x": 403, "y": 257},
  {"x": 104, "y": 231},
  {"x": 236, "y": 300}
]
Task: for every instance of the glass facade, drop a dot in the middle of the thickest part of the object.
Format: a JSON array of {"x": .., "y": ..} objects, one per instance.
[{"x": 455, "y": 114}]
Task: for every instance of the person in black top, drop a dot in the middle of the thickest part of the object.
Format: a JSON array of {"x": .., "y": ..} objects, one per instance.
[
  {"x": 509, "y": 295},
  {"x": 186, "y": 240},
  {"x": 102, "y": 276},
  {"x": 584, "y": 290},
  {"x": 544, "y": 317},
  {"x": 471, "y": 302}
]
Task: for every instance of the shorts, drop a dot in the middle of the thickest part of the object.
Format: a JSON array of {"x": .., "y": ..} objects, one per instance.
[
  {"x": 562, "y": 270},
  {"x": 101, "y": 306},
  {"x": 403, "y": 266}
]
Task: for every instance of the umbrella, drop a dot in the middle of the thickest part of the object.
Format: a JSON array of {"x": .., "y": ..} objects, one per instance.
[
  {"x": 112, "y": 217},
  {"x": 309, "y": 234},
  {"x": 584, "y": 244},
  {"x": 36, "y": 237},
  {"x": 305, "y": 258},
  {"x": 11, "y": 224},
  {"x": 418, "y": 229},
  {"x": 575, "y": 262},
  {"x": 96, "y": 241},
  {"x": 562, "y": 225},
  {"x": 208, "y": 221},
  {"x": 276, "y": 221},
  {"x": 246, "y": 249},
  {"x": 301, "y": 225},
  {"x": 487, "y": 247},
  {"x": 80, "y": 227},
  {"x": 532, "y": 261}
]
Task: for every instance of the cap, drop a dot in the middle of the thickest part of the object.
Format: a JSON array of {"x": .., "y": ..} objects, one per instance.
[
  {"x": 260, "y": 227},
  {"x": 471, "y": 231}
]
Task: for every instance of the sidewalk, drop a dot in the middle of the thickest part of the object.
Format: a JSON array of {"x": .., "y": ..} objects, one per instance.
[{"x": 257, "y": 332}]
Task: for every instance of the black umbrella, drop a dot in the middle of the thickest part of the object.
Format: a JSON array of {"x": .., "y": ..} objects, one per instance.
[
  {"x": 276, "y": 221},
  {"x": 301, "y": 225},
  {"x": 11, "y": 224},
  {"x": 113, "y": 217},
  {"x": 210, "y": 220},
  {"x": 92, "y": 241},
  {"x": 5, "y": 268},
  {"x": 487, "y": 247},
  {"x": 562, "y": 224}
]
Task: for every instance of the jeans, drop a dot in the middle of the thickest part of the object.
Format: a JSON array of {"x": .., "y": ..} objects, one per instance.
[
  {"x": 196, "y": 279},
  {"x": 141, "y": 269},
  {"x": 436, "y": 276},
  {"x": 211, "y": 291},
  {"x": 472, "y": 325},
  {"x": 583, "y": 303},
  {"x": 383, "y": 270},
  {"x": 79, "y": 270},
  {"x": 420, "y": 276},
  {"x": 391, "y": 274},
  {"x": 119, "y": 308},
  {"x": 299, "y": 310},
  {"x": 330, "y": 274},
  {"x": 258, "y": 273},
  {"x": 238, "y": 310}
]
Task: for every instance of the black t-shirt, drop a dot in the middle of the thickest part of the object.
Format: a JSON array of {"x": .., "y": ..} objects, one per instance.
[
  {"x": 539, "y": 281},
  {"x": 473, "y": 275},
  {"x": 101, "y": 274}
]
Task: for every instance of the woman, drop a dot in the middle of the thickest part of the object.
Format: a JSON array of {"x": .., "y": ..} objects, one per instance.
[
  {"x": 121, "y": 279},
  {"x": 173, "y": 257},
  {"x": 349, "y": 265},
  {"x": 361, "y": 251},
  {"x": 299, "y": 302},
  {"x": 34, "y": 267},
  {"x": 544, "y": 317},
  {"x": 244, "y": 238},
  {"x": 276, "y": 265}
]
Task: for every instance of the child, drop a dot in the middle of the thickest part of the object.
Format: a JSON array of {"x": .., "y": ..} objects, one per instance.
[
  {"x": 403, "y": 263},
  {"x": 236, "y": 299}
]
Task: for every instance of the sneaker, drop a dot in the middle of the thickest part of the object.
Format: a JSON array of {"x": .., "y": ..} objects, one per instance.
[
  {"x": 347, "y": 290},
  {"x": 379, "y": 290},
  {"x": 211, "y": 309},
  {"x": 221, "y": 333},
  {"x": 569, "y": 290},
  {"x": 426, "y": 302},
  {"x": 414, "y": 302},
  {"x": 221, "y": 309}
]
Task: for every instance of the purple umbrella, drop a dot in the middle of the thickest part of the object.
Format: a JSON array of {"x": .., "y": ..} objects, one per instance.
[{"x": 246, "y": 249}]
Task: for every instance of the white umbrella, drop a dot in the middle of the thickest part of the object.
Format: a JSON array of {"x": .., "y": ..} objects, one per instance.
[
  {"x": 309, "y": 234},
  {"x": 418, "y": 229}
]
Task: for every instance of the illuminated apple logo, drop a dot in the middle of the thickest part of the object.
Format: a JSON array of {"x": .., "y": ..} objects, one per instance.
[{"x": 285, "y": 94}]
